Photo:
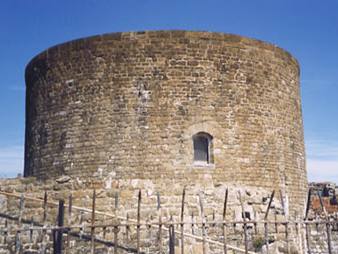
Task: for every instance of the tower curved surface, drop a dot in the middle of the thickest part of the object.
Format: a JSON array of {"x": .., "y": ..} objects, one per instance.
[{"x": 129, "y": 104}]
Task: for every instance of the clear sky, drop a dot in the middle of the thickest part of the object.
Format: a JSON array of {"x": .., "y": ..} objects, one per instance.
[{"x": 306, "y": 28}]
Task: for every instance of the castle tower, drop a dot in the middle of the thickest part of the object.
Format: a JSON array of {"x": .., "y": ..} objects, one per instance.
[{"x": 191, "y": 106}]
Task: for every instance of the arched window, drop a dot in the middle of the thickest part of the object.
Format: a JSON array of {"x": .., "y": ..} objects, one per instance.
[{"x": 202, "y": 148}]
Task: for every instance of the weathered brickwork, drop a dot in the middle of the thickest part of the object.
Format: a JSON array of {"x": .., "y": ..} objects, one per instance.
[{"x": 126, "y": 105}]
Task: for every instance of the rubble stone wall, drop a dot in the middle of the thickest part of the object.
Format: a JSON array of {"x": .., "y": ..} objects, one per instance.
[
  {"x": 124, "y": 193},
  {"x": 319, "y": 239},
  {"x": 255, "y": 200}
]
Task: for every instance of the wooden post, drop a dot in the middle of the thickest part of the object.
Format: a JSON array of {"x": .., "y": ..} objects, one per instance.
[
  {"x": 246, "y": 242},
  {"x": 307, "y": 230},
  {"x": 104, "y": 229},
  {"x": 245, "y": 226},
  {"x": 6, "y": 232},
  {"x": 225, "y": 248},
  {"x": 299, "y": 235},
  {"x": 287, "y": 237},
  {"x": 127, "y": 229},
  {"x": 70, "y": 204},
  {"x": 328, "y": 231},
  {"x": 266, "y": 236},
  {"x": 192, "y": 223},
  {"x": 17, "y": 242},
  {"x": 45, "y": 207},
  {"x": 158, "y": 200},
  {"x": 116, "y": 226},
  {"x": 44, "y": 220},
  {"x": 138, "y": 220},
  {"x": 159, "y": 223},
  {"x": 327, "y": 224},
  {"x": 17, "y": 236},
  {"x": 255, "y": 224},
  {"x": 171, "y": 236},
  {"x": 59, "y": 232},
  {"x": 31, "y": 230},
  {"x": 92, "y": 231},
  {"x": 282, "y": 201},
  {"x": 322, "y": 204},
  {"x": 82, "y": 225},
  {"x": 308, "y": 203},
  {"x": 266, "y": 227},
  {"x": 269, "y": 205},
  {"x": 203, "y": 224},
  {"x": 21, "y": 209},
  {"x": 182, "y": 221}
]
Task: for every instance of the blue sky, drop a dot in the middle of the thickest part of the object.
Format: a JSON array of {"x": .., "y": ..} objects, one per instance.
[{"x": 306, "y": 28}]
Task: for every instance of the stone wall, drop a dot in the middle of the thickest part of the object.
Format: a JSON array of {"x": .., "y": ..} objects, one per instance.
[
  {"x": 126, "y": 106},
  {"x": 255, "y": 202},
  {"x": 319, "y": 239}
]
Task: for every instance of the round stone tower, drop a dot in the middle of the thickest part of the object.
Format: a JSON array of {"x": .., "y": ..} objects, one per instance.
[{"x": 190, "y": 106}]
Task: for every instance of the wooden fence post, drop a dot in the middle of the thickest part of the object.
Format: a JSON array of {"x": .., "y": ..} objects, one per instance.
[
  {"x": 182, "y": 221},
  {"x": 6, "y": 232},
  {"x": 203, "y": 224},
  {"x": 266, "y": 228},
  {"x": 44, "y": 231},
  {"x": 159, "y": 223},
  {"x": 82, "y": 225},
  {"x": 104, "y": 229},
  {"x": 225, "y": 248},
  {"x": 171, "y": 236},
  {"x": 327, "y": 224},
  {"x": 17, "y": 236},
  {"x": 328, "y": 231},
  {"x": 45, "y": 207},
  {"x": 266, "y": 236},
  {"x": 92, "y": 231},
  {"x": 127, "y": 229},
  {"x": 192, "y": 223},
  {"x": 69, "y": 219},
  {"x": 58, "y": 233},
  {"x": 269, "y": 205},
  {"x": 138, "y": 220},
  {"x": 287, "y": 237},
  {"x": 116, "y": 228},
  {"x": 307, "y": 230},
  {"x": 31, "y": 230},
  {"x": 245, "y": 226}
]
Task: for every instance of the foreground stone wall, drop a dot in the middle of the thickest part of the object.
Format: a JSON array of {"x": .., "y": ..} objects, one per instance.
[
  {"x": 255, "y": 202},
  {"x": 319, "y": 239},
  {"x": 126, "y": 105},
  {"x": 120, "y": 197}
]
